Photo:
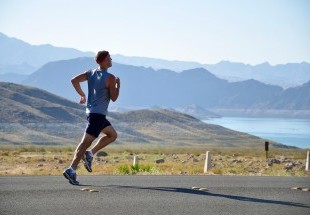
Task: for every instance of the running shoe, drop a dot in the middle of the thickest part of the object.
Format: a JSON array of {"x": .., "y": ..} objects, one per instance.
[
  {"x": 71, "y": 176},
  {"x": 87, "y": 160}
]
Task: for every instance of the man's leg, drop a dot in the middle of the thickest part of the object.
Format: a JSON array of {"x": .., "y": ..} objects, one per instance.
[
  {"x": 110, "y": 137},
  {"x": 81, "y": 149},
  {"x": 70, "y": 173}
]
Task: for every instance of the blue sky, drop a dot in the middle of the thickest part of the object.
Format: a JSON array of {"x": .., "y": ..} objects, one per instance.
[{"x": 248, "y": 31}]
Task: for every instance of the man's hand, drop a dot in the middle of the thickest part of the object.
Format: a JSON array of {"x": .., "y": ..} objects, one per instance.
[
  {"x": 76, "y": 84},
  {"x": 118, "y": 82},
  {"x": 83, "y": 100}
]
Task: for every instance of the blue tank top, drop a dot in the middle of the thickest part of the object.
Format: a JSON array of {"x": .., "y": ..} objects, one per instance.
[{"x": 98, "y": 94}]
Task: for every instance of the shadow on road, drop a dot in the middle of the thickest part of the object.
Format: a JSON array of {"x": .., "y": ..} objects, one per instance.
[{"x": 207, "y": 193}]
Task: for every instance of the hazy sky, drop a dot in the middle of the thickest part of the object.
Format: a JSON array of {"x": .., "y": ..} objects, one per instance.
[{"x": 249, "y": 31}]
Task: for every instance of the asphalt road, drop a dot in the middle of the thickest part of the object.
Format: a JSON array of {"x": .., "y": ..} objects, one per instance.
[{"x": 132, "y": 195}]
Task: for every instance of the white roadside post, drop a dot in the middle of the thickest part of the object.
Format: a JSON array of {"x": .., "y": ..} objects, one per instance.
[
  {"x": 308, "y": 161},
  {"x": 135, "y": 160},
  {"x": 207, "y": 162}
]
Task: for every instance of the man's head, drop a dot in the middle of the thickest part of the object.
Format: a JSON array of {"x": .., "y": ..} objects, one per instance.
[{"x": 103, "y": 59}]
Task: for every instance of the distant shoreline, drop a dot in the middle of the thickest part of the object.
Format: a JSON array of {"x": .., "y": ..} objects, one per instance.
[
  {"x": 272, "y": 113},
  {"x": 287, "y": 131}
]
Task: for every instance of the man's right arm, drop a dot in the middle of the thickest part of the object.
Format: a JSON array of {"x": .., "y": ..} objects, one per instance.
[{"x": 76, "y": 84}]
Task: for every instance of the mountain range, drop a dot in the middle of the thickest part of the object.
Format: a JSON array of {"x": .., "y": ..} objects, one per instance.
[
  {"x": 284, "y": 75},
  {"x": 17, "y": 56},
  {"x": 146, "y": 87},
  {"x": 33, "y": 116},
  {"x": 192, "y": 90},
  {"x": 21, "y": 58}
]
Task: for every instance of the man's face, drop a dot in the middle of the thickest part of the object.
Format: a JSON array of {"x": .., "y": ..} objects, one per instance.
[{"x": 108, "y": 61}]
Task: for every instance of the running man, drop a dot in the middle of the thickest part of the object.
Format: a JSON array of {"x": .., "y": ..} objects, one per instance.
[{"x": 102, "y": 87}]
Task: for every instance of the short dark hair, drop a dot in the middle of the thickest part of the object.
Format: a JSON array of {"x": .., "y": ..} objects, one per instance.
[{"x": 101, "y": 55}]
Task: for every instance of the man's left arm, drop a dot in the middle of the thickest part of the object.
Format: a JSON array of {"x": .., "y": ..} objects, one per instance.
[{"x": 114, "y": 85}]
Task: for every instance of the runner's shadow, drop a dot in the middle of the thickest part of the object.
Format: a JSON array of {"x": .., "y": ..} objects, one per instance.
[{"x": 207, "y": 193}]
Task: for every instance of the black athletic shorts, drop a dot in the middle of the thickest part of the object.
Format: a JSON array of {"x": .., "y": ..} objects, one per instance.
[{"x": 96, "y": 122}]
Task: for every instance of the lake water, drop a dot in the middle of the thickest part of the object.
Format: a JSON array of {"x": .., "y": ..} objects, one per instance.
[{"x": 293, "y": 132}]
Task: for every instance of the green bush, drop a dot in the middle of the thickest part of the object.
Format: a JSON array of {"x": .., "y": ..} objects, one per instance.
[
  {"x": 123, "y": 169},
  {"x": 137, "y": 169}
]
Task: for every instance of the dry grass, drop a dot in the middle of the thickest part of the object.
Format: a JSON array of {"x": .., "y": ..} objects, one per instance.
[{"x": 37, "y": 160}]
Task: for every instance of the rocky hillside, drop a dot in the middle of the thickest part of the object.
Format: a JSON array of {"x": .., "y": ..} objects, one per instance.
[
  {"x": 165, "y": 127},
  {"x": 21, "y": 104},
  {"x": 33, "y": 116}
]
